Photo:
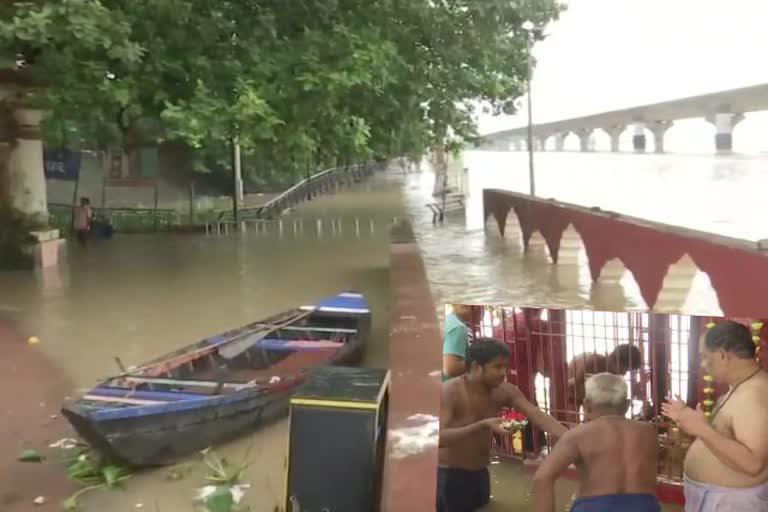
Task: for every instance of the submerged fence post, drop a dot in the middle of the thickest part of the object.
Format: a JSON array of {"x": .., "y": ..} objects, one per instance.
[{"x": 157, "y": 204}]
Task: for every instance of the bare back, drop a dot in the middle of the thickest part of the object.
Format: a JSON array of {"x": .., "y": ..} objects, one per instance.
[
  {"x": 580, "y": 369},
  {"x": 616, "y": 456},
  {"x": 461, "y": 408}
]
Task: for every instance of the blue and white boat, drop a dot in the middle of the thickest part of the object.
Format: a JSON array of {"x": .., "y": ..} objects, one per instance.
[{"x": 218, "y": 388}]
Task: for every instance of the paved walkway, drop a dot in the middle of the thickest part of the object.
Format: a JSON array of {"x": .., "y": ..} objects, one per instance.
[{"x": 31, "y": 391}]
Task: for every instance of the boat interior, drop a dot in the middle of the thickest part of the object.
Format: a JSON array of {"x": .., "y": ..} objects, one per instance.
[{"x": 260, "y": 355}]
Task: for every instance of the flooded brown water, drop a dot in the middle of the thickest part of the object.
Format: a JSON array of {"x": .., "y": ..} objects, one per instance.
[
  {"x": 142, "y": 295},
  {"x": 511, "y": 490},
  {"x": 468, "y": 261},
  {"x": 138, "y": 296}
]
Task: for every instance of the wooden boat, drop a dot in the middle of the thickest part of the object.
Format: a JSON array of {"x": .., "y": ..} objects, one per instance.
[{"x": 219, "y": 388}]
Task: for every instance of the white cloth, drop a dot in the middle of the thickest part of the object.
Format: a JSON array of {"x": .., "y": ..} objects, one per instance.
[{"x": 701, "y": 497}]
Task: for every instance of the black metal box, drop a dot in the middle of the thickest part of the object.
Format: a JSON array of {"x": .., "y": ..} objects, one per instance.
[{"x": 337, "y": 440}]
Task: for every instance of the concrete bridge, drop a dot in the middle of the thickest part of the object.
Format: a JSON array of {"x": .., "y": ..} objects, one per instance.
[{"x": 724, "y": 109}]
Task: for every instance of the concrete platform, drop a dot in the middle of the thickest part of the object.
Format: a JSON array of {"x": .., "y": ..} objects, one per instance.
[{"x": 410, "y": 476}]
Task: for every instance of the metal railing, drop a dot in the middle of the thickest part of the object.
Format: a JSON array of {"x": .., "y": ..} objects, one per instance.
[
  {"x": 123, "y": 220},
  {"x": 305, "y": 189},
  {"x": 315, "y": 227}
]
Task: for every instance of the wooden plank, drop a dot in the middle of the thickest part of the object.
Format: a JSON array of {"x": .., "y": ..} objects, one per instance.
[
  {"x": 114, "y": 399},
  {"x": 320, "y": 329},
  {"x": 190, "y": 383},
  {"x": 166, "y": 366},
  {"x": 234, "y": 348}
]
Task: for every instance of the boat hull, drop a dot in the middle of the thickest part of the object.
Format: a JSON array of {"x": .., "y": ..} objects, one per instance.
[
  {"x": 165, "y": 438},
  {"x": 162, "y": 438}
]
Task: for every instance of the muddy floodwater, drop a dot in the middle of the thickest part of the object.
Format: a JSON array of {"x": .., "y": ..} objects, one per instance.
[{"x": 137, "y": 296}]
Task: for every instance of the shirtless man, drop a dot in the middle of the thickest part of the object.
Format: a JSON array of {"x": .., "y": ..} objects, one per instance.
[
  {"x": 616, "y": 457},
  {"x": 726, "y": 468},
  {"x": 83, "y": 219},
  {"x": 469, "y": 414},
  {"x": 623, "y": 359}
]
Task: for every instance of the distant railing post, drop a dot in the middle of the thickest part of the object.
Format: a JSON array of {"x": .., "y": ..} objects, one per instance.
[
  {"x": 157, "y": 203},
  {"x": 191, "y": 203}
]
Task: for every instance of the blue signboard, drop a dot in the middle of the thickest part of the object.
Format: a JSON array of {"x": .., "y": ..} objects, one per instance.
[{"x": 61, "y": 164}]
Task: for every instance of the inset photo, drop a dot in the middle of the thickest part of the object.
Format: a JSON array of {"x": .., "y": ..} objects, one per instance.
[{"x": 547, "y": 409}]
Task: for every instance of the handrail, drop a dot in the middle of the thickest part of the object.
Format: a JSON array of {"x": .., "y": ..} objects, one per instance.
[
  {"x": 293, "y": 189},
  {"x": 116, "y": 209}
]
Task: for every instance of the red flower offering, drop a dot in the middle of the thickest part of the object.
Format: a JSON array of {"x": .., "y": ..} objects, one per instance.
[{"x": 513, "y": 420}]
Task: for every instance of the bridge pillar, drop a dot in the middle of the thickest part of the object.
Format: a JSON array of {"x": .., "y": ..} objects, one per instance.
[
  {"x": 659, "y": 128},
  {"x": 560, "y": 141},
  {"x": 638, "y": 140},
  {"x": 614, "y": 132},
  {"x": 724, "y": 125},
  {"x": 543, "y": 142},
  {"x": 585, "y": 139}
]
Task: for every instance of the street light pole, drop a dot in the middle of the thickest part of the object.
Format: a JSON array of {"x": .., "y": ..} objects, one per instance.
[
  {"x": 237, "y": 197},
  {"x": 531, "y": 177}
]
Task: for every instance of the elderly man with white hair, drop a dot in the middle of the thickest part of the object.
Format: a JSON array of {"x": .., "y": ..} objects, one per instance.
[{"x": 616, "y": 456}]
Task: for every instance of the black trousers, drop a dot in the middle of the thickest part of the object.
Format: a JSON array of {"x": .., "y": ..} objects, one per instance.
[
  {"x": 82, "y": 236},
  {"x": 462, "y": 490}
]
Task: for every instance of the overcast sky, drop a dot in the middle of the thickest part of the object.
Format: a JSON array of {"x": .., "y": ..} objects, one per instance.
[{"x": 612, "y": 54}]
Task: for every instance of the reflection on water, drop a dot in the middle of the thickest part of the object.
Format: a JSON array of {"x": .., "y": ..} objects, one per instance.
[
  {"x": 465, "y": 263},
  {"x": 718, "y": 194},
  {"x": 139, "y": 296}
]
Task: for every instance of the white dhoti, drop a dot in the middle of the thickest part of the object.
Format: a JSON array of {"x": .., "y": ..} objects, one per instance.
[{"x": 701, "y": 497}]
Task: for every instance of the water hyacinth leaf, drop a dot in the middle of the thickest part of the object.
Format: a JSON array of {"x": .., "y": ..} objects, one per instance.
[
  {"x": 31, "y": 455},
  {"x": 112, "y": 475},
  {"x": 221, "y": 500},
  {"x": 70, "y": 503}
]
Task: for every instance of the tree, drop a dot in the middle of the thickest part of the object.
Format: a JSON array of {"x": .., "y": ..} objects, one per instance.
[{"x": 301, "y": 84}]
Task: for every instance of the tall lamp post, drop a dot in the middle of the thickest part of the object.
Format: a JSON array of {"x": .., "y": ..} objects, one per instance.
[{"x": 532, "y": 33}]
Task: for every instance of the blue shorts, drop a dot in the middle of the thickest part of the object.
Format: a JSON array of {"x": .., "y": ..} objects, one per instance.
[
  {"x": 617, "y": 503},
  {"x": 462, "y": 490}
]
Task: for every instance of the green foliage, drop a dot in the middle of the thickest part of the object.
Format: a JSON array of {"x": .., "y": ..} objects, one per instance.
[
  {"x": 226, "y": 479},
  {"x": 221, "y": 500},
  {"x": 87, "y": 468},
  {"x": 300, "y": 84},
  {"x": 221, "y": 471},
  {"x": 31, "y": 455}
]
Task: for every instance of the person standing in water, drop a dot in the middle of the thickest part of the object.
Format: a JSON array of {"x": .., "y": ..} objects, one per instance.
[
  {"x": 456, "y": 340},
  {"x": 83, "y": 219},
  {"x": 726, "y": 467},
  {"x": 469, "y": 414},
  {"x": 621, "y": 360},
  {"x": 616, "y": 457}
]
